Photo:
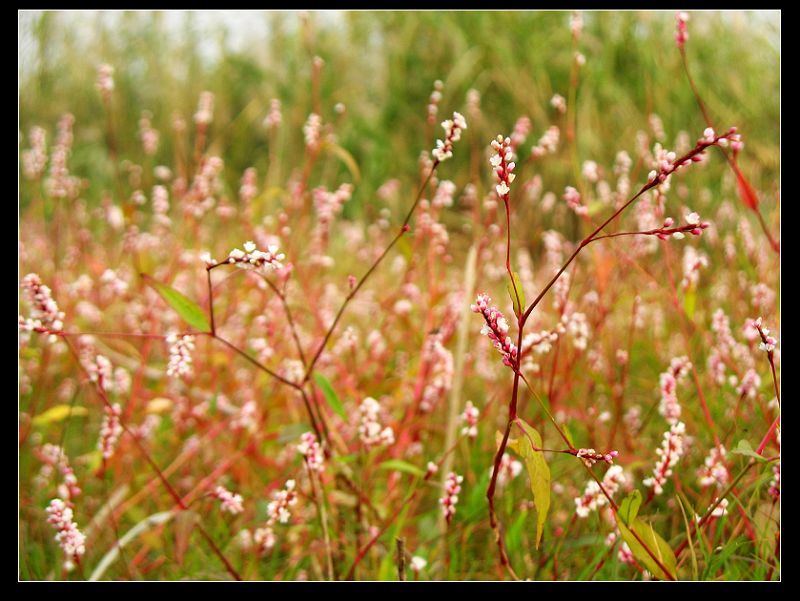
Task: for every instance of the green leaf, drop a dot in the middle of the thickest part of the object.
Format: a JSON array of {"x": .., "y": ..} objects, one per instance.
[
  {"x": 330, "y": 395},
  {"x": 519, "y": 291},
  {"x": 744, "y": 448},
  {"x": 629, "y": 508},
  {"x": 398, "y": 465},
  {"x": 57, "y": 414},
  {"x": 538, "y": 472},
  {"x": 657, "y": 545},
  {"x": 689, "y": 301},
  {"x": 189, "y": 311}
]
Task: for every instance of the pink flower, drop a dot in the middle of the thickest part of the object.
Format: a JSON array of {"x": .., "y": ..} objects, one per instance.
[
  {"x": 451, "y": 489},
  {"x": 496, "y": 328},
  {"x": 70, "y": 539},
  {"x": 669, "y": 453},
  {"x": 232, "y": 503},
  {"x": 452, "y": 129}
]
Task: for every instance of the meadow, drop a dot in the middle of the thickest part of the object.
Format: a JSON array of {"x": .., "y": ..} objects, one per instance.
[{"x": 399, "y": 296}]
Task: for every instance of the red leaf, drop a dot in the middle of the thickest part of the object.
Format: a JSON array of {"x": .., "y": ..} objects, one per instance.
[{"x": 746, "y": 190}]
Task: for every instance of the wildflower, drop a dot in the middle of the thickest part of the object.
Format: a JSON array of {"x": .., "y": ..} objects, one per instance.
[
  {"x": 105, "y": 79},
  {"x": 593, "y": 496},
  {"x": 509, "y": 469},
  {"x": 668, "y": 382},
  {"x": 34, "y": 159},
  {"x": 180, "y": 358},
  {"x": 282, "y": 500},
  {"x": 451, "y": 489},
  {"x": 714, "y": 470},
  {"x": 70, "y": 539},
  {"x": 573, "y": 198},
  {"x": 110, "y": 430},
  {"x": 452, "y": 129},
  {"x": 431, "y": 469},
  {"x": 548, "y": 143},
  {"x": 264, "y": 538},
  {"x": 470, "y": 417},
  {"x": 682, "y": 34},
  {"x": 767, "y": 342},
  {"x": 496, "y": 328},
  {"x": 558, "y": 103},
  {"x": 45, "y": 314},
  {"x": 232, "y": 503},
  {"x": 502, "y": 162},
  {"x": 418, "y": 564},
  {"x": 669, "y": 453},
  {"x": 312, "y": 130},
  {"x": 369, "y": 430},
  {"x": 749, "y": 385},
  {"x": 433, "y": 101},
  {"x": 775, "y": 483},
  {"x": 205, "y": 109},
  {"x": 440, "y": 362},
  {"x": 590, "y": 456},
  {"x": 254, "y": 259},
  {"x": 273, "y": 118},
  {"x": 311, "y": 451}
]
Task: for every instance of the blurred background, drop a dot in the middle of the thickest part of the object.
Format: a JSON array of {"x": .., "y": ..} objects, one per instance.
[{"x": 381, "y": 66}]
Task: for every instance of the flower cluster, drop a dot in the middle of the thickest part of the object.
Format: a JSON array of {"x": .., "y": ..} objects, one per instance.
[
  {"x": 433, "y": 101},
  {"x": 148, "y": 135},
  {"x": 205, "y": 109},
  {"x": 509, "y": 469},
  {"x": 590, "y": 456},
  {"x": 273, "y": 118},
  {"x": 521, "y": 130},
  {"x": 312, "y": 131},
  {"x": 180, "y": 355},
  {"x": 369, "y": 430},
  {"x": 496, "y": 328},
  {"x": 593, "y": 496},
  {"x": 767, "y": 342},
  {"x": 71, "y": 540},
  {"x": 714, "y": 470},
  {"x": 232, "y": 503},
  {"x": 669, "y": 453},
  {"x": 311, "y": 451},
  {"x": 775, "y": 483},
  {"x": 682, "y": 33},
  {"x": 749, "y": 385},
  {"x": 452, "y": 130},
  {"x": 692, "y": 262},
  {"x": 470, "y": 418},
  {"x": 101, "y": 372},
  {"x": 573, "y": 198},
  {"x": 448, "y": 502},
  {"x": 282, "y": 500},
  {"x": 105, "y": 79},
  {"x": 110, "y": 430},
  {"x": 53, "y": 457},
  {"x": 34, "y": 159},
  {"x": 503, "y": 165},
  {"x": 257, "y": 260},
  {"x": 548, "y": 143},
  {"x": 559, "y": 103},
  {"x": 668, "y": 383},
  {"x": 45, "y": 314}
]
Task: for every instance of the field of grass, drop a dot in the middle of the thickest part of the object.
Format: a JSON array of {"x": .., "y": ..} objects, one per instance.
[{"x": 254, "y": 341}]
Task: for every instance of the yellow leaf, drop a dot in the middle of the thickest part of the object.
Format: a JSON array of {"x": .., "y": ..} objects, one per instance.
[
  {"x": 159, "y": 405},
  {"x": 57, "y": 414},
  {"x": 538, "y": 472},
  {"x": 658, "y": 546}
]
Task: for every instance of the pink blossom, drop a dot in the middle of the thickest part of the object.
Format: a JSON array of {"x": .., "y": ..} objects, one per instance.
[
  {"x": 450, "y": 498},
  {"x": 496, "y": 328},
  {"x": 669, "y": 454},
  {"x": 452, "y": 130}
]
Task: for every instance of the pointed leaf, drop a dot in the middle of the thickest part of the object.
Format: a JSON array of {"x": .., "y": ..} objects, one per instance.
[
  {"x": 744, "y": 448},
  {"x": 538, "y": 472},
  {"x": 657, "y": 545},
  {"x": 513, "y": 295},
  {"x": 330, "y": 395},
  {"x": 629, "y": 508},
  {"x": 398, "y": 465},
  {"x": 57, "y": 414},
  {"x": 189, "y": 311}
]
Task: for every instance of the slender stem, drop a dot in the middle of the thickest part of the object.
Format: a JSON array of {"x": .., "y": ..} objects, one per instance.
[{"x": 403, "y": 229}]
